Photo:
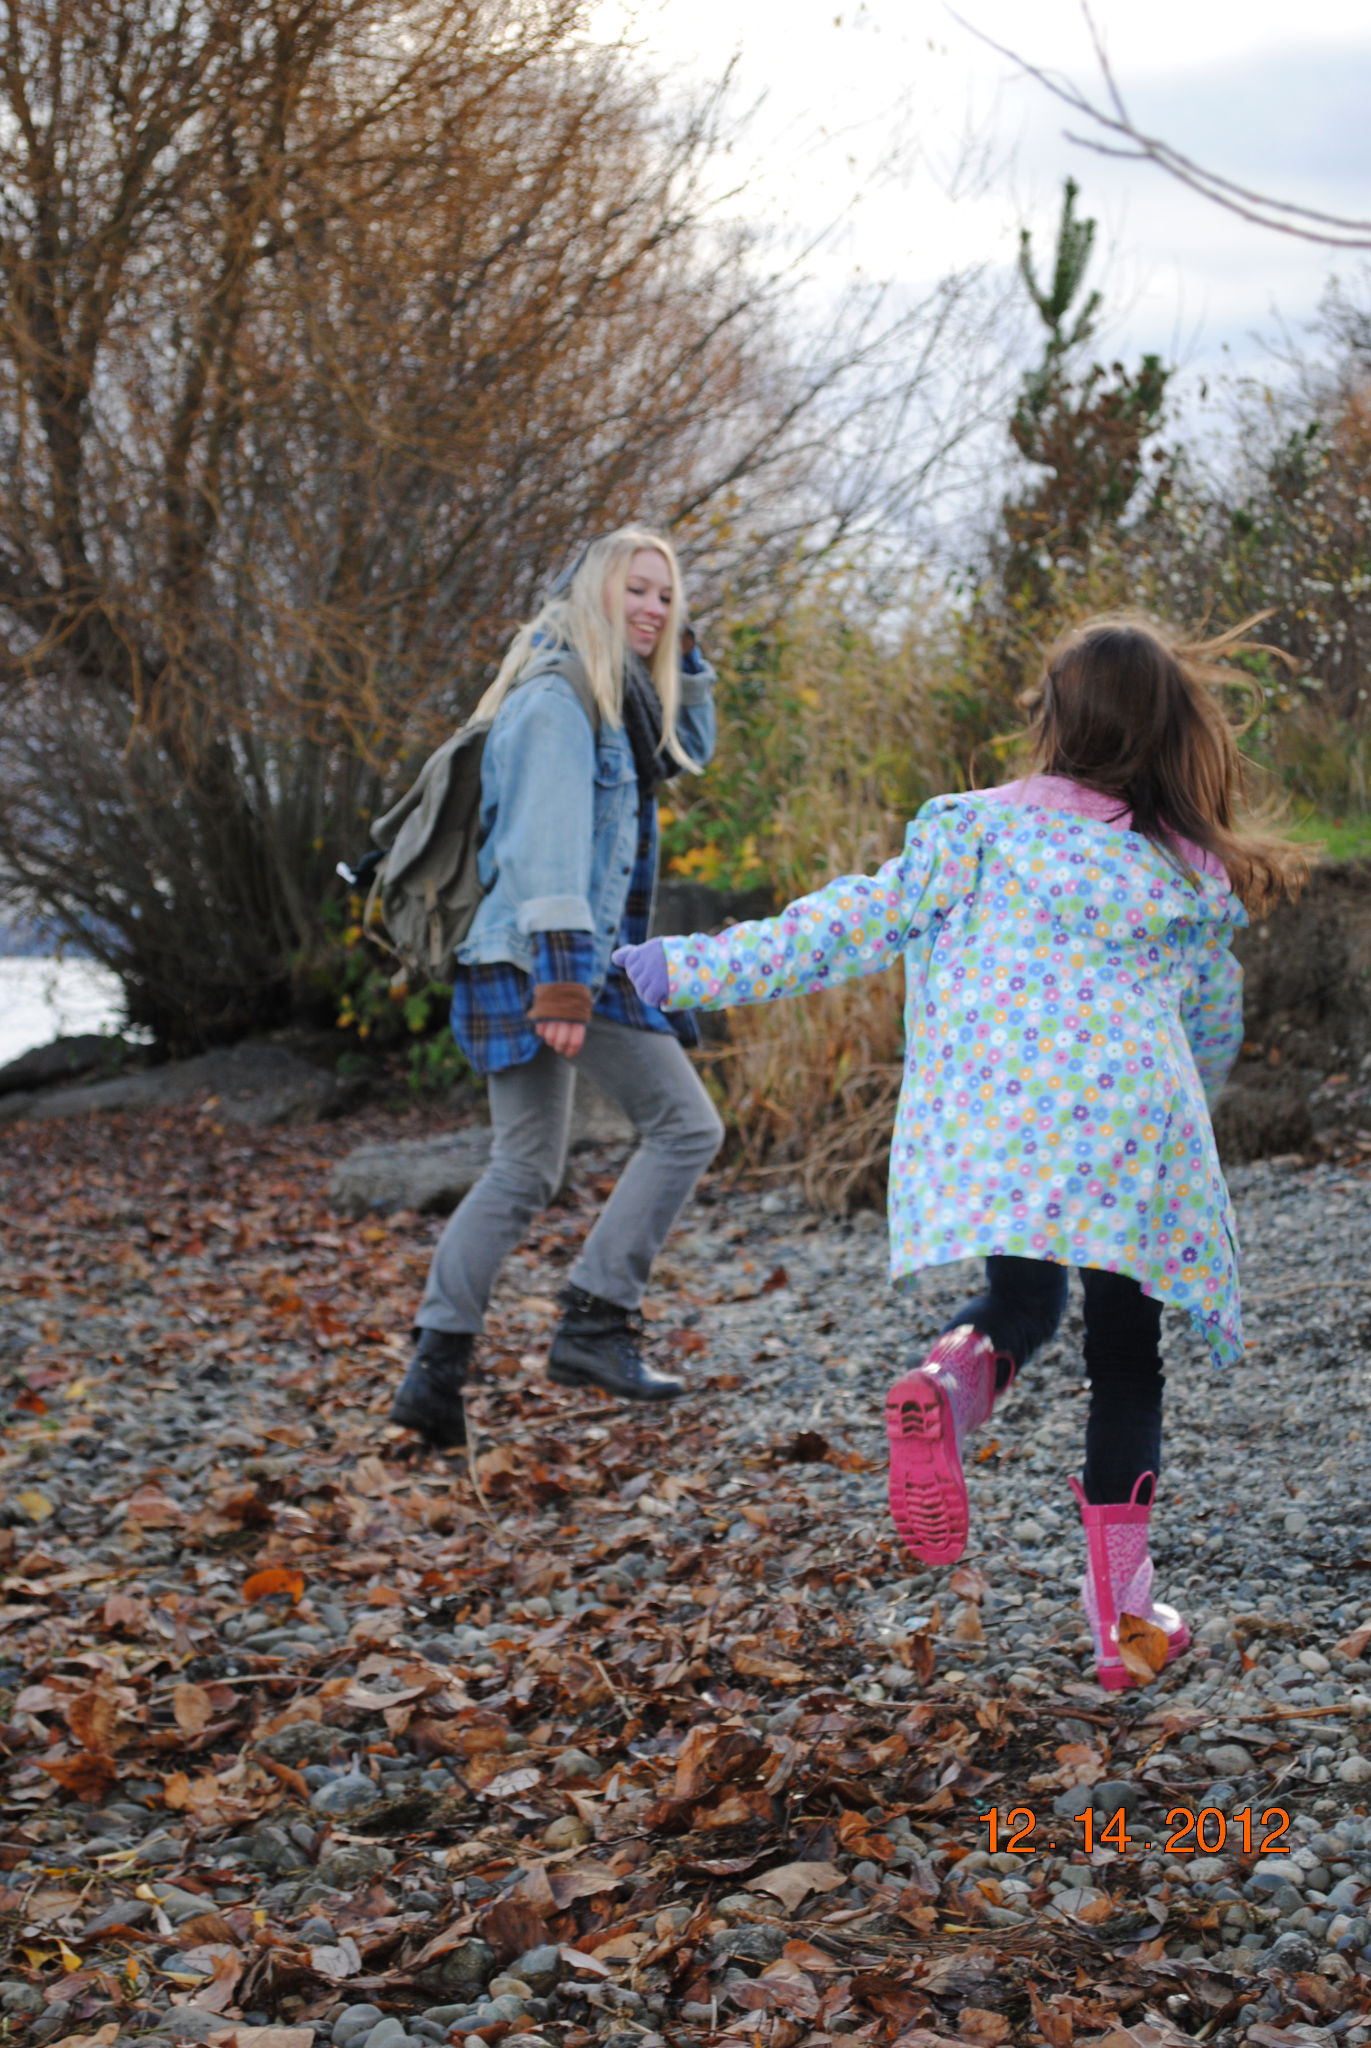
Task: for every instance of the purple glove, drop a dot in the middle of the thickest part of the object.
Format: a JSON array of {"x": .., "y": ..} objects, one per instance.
[{"x": 646, "y": 968}]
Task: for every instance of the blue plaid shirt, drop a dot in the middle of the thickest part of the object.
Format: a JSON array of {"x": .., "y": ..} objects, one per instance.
[{"x": 490, "y": 1002}]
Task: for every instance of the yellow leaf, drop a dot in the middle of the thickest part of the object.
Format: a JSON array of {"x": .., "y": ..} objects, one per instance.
[
  {"x": 36, "y": 1505},
  {"x": 70, "y": 1960}
]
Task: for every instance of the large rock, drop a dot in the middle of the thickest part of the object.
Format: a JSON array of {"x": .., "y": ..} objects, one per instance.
[
  {"x": 252, "y": 1083},
  {"x": 65, "y": 1059},
  {"x": 431, "y": 1175}
]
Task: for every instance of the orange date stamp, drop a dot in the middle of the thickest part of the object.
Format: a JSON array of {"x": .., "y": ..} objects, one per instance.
[{"x": 1190, "y": 1833}]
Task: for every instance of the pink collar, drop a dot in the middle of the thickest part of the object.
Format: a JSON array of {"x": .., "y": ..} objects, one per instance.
[{"x": 1059, "y": 793}]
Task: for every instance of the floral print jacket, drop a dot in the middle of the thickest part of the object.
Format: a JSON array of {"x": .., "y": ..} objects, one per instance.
[{"x": 1072, "y": 1007}]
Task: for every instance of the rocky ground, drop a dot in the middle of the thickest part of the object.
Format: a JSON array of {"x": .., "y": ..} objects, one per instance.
[{"x": 639, "y": 1725}]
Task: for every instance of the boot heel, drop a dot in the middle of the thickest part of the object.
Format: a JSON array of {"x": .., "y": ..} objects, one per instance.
[{"x": 915, "y": 1412}]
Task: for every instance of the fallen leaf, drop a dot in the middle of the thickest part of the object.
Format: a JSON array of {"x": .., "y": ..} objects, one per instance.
[
  {"x": 776, "y": 1670},
  {"x": 1142, "y": 1647},
  {"x": 986, "y": 2029},
  {"x": 581, "y": 1881},
  {"x": 38, "y": 1508},
  {"x": 262, "y": 2037},
  {"x": 969, "y": 1582},
  {"x": 88, "y": 1777},
  {"x": 217, "y": 1994},
  {"x": 966, "y": 1625},
  {"x": 107, "y": 2033},
  {"x": 918, "y": 1655},
  {"x": 273, "y": 1581},
  {"x": 192, "y": 1708},
  {"x": 336, "y": 1960},
  {"x": 793, "y": 1882},
  {"x": 816, "y": 1961}
]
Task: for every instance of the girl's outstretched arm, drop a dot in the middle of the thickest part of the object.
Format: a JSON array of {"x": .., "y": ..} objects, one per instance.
[
  {"x": 856, "y": 925},
  {"x": 1212, "y": 1012}
]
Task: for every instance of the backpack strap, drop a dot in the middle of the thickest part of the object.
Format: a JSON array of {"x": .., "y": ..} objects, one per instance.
[{"x": 562, "y": 662}]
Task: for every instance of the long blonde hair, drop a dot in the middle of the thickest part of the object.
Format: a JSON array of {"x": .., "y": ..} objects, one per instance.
[{"x": 580, "y": 620}]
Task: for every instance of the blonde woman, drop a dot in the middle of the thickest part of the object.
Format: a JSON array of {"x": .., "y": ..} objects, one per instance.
[{"x": 594, "y": 706}]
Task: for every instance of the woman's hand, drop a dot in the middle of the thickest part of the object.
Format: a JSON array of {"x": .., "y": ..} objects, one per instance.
[{"x": 567, "y": 1039}]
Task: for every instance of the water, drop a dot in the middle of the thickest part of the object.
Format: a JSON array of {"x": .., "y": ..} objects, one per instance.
[{"x": 45, "y": 999}]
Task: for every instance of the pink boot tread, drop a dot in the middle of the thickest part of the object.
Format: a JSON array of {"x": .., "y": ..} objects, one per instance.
[
  {"x": 1118, "y": 1580},
  {"x": 928, "y": 1416}
]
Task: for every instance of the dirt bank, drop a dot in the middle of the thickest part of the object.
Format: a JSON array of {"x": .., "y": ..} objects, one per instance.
[{"x": 1304, "y": 1080}]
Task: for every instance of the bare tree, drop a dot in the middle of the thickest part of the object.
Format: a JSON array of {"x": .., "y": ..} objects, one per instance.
[
  {"x": 327, "y": 326},
  {"x": 1115, "y": 133}
]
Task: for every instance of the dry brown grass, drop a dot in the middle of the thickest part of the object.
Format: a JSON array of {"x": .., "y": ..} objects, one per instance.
[{"x": 811, "y": 1084}]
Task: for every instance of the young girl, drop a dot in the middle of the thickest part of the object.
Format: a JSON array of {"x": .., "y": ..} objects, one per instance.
[{"x": 1072, "y": 1006}]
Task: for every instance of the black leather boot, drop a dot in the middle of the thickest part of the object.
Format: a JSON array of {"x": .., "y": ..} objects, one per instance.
[
  {"x": 429, "y": 1399},
  {"x": 599, "y": 1344}
]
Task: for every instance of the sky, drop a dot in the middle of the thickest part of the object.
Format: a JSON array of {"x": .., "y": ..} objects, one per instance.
[{"x": 929, "y": 151}]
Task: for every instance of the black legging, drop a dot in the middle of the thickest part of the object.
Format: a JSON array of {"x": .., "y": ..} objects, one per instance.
[{"x": 1024, "y": 1301}]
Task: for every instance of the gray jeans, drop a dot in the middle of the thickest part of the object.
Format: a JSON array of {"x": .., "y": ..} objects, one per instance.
[{"x": 653, "y": 1082}]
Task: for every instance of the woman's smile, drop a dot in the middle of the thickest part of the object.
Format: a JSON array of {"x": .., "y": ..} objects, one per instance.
[{"x": 647, "y": 600}]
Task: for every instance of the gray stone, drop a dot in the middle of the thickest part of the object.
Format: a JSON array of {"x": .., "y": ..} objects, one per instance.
[
  {"x": 189, "y": 2023},
  {"x": 346, "y": 1795},
  {"x": 1355, "y": 1770},
  {"x": 179, "y": 1905},
  {"x": 429, "y": 1175},
  {"x": 468, "y": 1967},
  {"x": 254, "y": 1083},
  {"x": 1112, "y": 1793},
  {"x": 387, "y": 2033},
  {"x": 1229, "y": 1759},
  {"x": 64, "y": 1059},
  {"x": 1076, "y": 1800},
  {"x": 573, "y": 1766},
  {"x": 120, "y": 1913},
  {"x": 540, "y": 1968},
  {"x": 749, "y": 1944},
  {"x": 161, "y": 1848},
  {"x": 1293, "y": 1952},
  {"x": 299, "y": 1742},
  {"x": 275, "y": 1852},
  {"x": 351, "y": 1863},
  {"x": 18, "y": 1997},
  {"x": 353, "y": 2022},
  {"x": 1345, "y": 1895},
  {"x": 444, "y": 2015}
]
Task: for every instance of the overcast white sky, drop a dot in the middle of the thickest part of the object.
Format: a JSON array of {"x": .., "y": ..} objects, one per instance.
[{"x": 1266, "y": 93}]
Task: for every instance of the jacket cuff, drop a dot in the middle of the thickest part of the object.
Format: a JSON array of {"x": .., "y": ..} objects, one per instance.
[
  {"x": 564, "y": 956},
  {"x": 563, "y": 1002},
  {"x": 555, "y": 914}
]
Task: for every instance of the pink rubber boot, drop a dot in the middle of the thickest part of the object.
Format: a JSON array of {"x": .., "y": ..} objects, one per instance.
[
  {"x": 928, "y": 1416},
  {"x": 1118, "y": 1580}
]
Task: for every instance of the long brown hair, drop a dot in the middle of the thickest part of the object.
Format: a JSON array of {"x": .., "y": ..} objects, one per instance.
[{"x": 1133, "y": 712}]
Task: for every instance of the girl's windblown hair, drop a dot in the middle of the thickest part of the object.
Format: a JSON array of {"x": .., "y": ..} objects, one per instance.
[
  {"x": 1133, "y": 712},
  {"x": 586, "y": 614}
]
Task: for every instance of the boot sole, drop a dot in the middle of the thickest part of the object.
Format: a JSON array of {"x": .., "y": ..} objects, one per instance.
[
  {"x": 434, "y": 1434},
  {"x": 573, "y": 1376},
  {"x": 928, "y": 1499}
]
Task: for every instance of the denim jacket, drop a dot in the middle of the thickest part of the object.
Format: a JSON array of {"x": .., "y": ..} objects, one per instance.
[{"x": 559, "y": 817}]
